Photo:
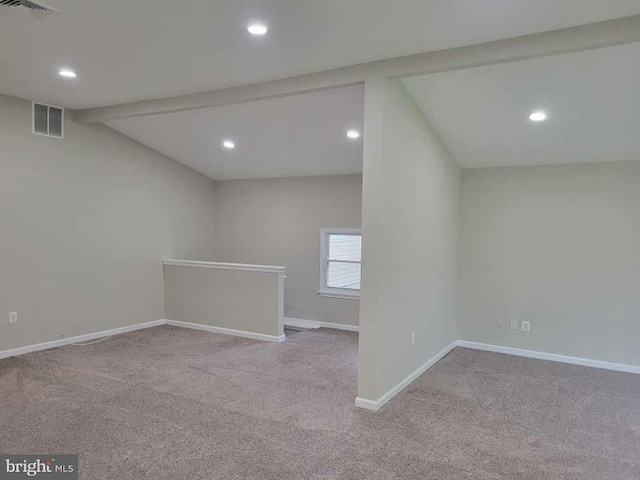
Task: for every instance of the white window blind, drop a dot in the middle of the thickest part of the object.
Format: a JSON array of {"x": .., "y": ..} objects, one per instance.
[{"x": 343, "y": 269}]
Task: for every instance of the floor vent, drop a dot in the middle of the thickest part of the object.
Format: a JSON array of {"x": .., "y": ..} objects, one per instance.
[
  {"x": 48, "y": 120},
  {"x": 34, "y": 9}
]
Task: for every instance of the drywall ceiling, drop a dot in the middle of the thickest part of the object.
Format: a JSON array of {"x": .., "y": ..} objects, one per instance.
[
  {"x": 290, "y": 136},
  {"x": 592, "y": 99},
  {"x": 127, "y": 50}
]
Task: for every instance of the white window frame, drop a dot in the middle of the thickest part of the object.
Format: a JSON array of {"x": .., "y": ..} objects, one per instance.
[{"x": 325, "y": 291}]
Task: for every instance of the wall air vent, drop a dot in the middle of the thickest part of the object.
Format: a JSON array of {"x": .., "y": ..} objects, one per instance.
[
  {"x": 29, "y": 7},
  {"x": 48, "y": 120}
]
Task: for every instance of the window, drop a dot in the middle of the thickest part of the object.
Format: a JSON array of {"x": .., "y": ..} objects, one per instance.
[{"x": 340, "y": 256}]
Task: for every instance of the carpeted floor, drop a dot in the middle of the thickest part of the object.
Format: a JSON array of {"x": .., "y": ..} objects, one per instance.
[{"x": 170, "y": 403}]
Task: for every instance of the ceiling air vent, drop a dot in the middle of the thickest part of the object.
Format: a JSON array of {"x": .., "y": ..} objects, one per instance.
[
  {"x": 48, "y": 120},
  {"x": 29, "y": 7}
]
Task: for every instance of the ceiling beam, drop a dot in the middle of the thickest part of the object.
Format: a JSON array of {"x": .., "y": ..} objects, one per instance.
[{"x": 556, "y": 42}]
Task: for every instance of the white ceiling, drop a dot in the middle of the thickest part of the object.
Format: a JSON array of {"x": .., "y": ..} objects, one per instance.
[
  {"x": 592, "y": 99},
  {"x": 126, "y": 50},
  {"x": 282, "y": 137}
]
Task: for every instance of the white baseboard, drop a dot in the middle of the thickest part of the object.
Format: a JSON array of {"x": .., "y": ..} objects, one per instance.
[
  {"x": 131, "y": 328},
  {"x": 312, "y": 324},
  {"x": 77, "y": 339},
  {"x": 227, "y": 331},
  {"x": 379, "y": 403},
  {"x": 619, "y": 367},
  {"x": 368, "y": 404}
]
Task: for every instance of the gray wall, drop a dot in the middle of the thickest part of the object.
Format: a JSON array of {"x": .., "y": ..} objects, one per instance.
[
  {"x": 410, "y": 241},
  {"x": 239, "y": 300},
  {"x": 558, "y": 246},
  {"x": 85, "y": 224},
  {"x": 278, "y": 222}
]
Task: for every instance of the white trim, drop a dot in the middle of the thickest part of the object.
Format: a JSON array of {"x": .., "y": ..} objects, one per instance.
[
  {"x": 77, "y": 339},
  {"x": 341, "y": 231},
  {"x": 367, "y": 404},
  {"x": 131, "y": 328},
  {"x": 619, "y": 367},
  {"x": 227, "y": 331},
  {"x": 313, "y": 324},
  {"x": 340, "y": 293},
  {"x": 378, "y": 404},
  {"x": 225, "y": 266}
]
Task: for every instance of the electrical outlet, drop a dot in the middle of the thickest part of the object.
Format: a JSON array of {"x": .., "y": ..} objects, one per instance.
[
  {"x": 526, "y": 326},
  {"x": 13, "y": 317},
  {"x": 413, "y": 338},
  {"x": 514, "y": 324}
]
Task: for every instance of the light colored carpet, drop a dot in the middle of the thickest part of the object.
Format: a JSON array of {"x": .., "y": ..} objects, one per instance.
[{"x": 170, "y": 403}]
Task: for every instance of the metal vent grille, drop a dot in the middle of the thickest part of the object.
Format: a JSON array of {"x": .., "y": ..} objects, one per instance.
[
  {"x": 55, "y": 122},
  {"x": 34, "y": 9},
  {"x": 40, "y": 119},
  {"x": 48, "y": 120}
]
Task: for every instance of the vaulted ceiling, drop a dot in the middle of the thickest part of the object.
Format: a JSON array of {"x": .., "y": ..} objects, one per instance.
[
  {"x": 125, "y": 50},
  {"x": 591, "y": 98},
  {"x": 291, "y": 136}
]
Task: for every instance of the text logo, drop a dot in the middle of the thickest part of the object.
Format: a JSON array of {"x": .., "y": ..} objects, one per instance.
[{"x": 45, "y": 467}]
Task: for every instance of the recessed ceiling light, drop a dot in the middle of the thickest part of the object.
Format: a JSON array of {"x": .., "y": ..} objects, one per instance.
[
  {"x": 353, "y": 134},
  {"x": 257, "y": 29},
  {"x": 65, "y": 72},
  {"x": 538, "y": 116},
  {"x": 229, "y": 144}
]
